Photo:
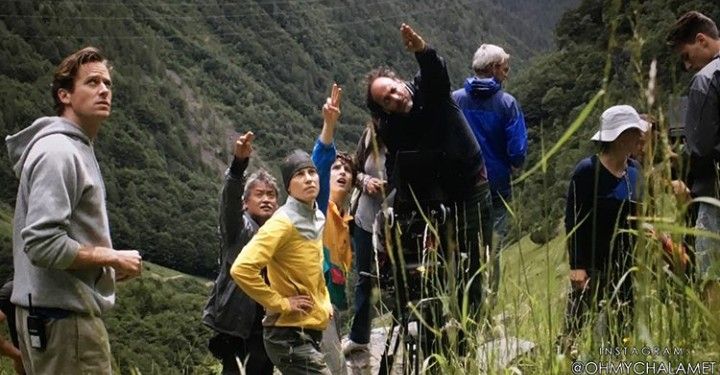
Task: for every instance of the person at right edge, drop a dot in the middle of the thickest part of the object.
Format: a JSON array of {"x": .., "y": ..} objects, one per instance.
[
  {"x": 695, "y": 38},
  {"x": 10, "y": 348}
]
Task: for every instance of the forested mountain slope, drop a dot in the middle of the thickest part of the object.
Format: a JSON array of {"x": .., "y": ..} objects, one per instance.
[{"x": 188, "y": 74}]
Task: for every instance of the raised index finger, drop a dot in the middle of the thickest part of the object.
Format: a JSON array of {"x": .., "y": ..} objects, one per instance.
[
  {"x": 250, "y": 136},
  {"x": 333, "y": 93},
  {"x": 338, "y": 95},
  {"x": 247, "y": 137}
]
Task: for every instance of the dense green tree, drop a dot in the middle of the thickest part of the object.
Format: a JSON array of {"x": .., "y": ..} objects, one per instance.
[{"x": 554, "y": 88}]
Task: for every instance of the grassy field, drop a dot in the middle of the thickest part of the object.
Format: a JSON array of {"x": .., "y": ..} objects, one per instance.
[
  {"x": 531, "y": 273},
  {"x": 671, "y": 325},
  {"x": 156, "y": 329},
  {"x": 533, "y": 290}
]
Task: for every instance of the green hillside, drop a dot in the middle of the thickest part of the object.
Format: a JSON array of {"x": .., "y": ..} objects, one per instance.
[
  {"x": 5, "y": 242},
  {"x": 155, "y": 327},
  {"x": 188, "y": 75}
]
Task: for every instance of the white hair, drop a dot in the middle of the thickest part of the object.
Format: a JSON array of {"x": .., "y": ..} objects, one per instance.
[{"x": 488, "y": 55}]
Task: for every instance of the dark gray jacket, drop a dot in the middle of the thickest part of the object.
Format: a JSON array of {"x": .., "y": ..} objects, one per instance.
[
  {"x": 702, "y": 130},
  {"x": 229, "y": 310}
]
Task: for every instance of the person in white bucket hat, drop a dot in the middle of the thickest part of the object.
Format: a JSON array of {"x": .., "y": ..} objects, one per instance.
[
  {"x": 599, "y": 200},
  {"x": 615, "y": 120}
]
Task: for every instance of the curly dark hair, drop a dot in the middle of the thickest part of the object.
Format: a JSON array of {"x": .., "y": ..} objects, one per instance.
[
  {"x": 349, "y": 162},
  {"x": 375, "y": 109}
]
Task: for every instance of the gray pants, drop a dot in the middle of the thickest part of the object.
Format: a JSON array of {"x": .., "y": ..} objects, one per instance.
[
  {"x": 707, "y": 250},
  {"x": 331, "y": 347},
  {"x": 76, "y": 344},
  {"x": 295, "y": 351}
]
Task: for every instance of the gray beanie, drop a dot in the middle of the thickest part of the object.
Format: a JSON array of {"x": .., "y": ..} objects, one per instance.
[{"x": 295, "y": 161}]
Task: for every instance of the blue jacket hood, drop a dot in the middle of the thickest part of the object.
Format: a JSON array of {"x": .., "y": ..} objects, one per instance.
[
  {"x": 497, "y": 122},
  {"x": 482, "y": 87}
]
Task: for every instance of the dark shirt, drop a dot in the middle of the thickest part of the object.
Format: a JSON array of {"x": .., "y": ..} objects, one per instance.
[
  {"x": 435, "y": 124},
  {"x": 598, "y": 204},
  {"x": 229, "y": 310}
]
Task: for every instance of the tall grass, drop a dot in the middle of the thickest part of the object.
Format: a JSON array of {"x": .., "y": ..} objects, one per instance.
[{"x": 670, "y": 322}]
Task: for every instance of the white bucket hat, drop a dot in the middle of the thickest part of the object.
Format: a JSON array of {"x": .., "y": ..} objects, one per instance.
[{"x": 616, "y": 120}]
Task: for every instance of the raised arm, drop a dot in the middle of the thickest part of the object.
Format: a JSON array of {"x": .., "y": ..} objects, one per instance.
[
  {"x": 331, "y": 113},
  {"x": 231, "y": 197},
  {"x": 324, "y": 152},
  {"x": 434, "y": 78}
]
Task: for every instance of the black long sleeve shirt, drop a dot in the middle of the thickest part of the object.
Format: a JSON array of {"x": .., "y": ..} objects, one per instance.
[
  {"x": 435, "y": 124},
  {"x": 598, "y": 204}
]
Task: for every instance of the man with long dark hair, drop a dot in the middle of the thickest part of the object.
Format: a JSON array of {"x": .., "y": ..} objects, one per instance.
[{"x": 420, "y": 116}]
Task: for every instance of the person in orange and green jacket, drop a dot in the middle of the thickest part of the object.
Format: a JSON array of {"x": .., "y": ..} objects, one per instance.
[{"x": 337, "y": 177}]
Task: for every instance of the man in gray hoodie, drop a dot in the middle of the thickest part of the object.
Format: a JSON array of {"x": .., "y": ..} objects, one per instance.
[{"x": 65, "y": 265}]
